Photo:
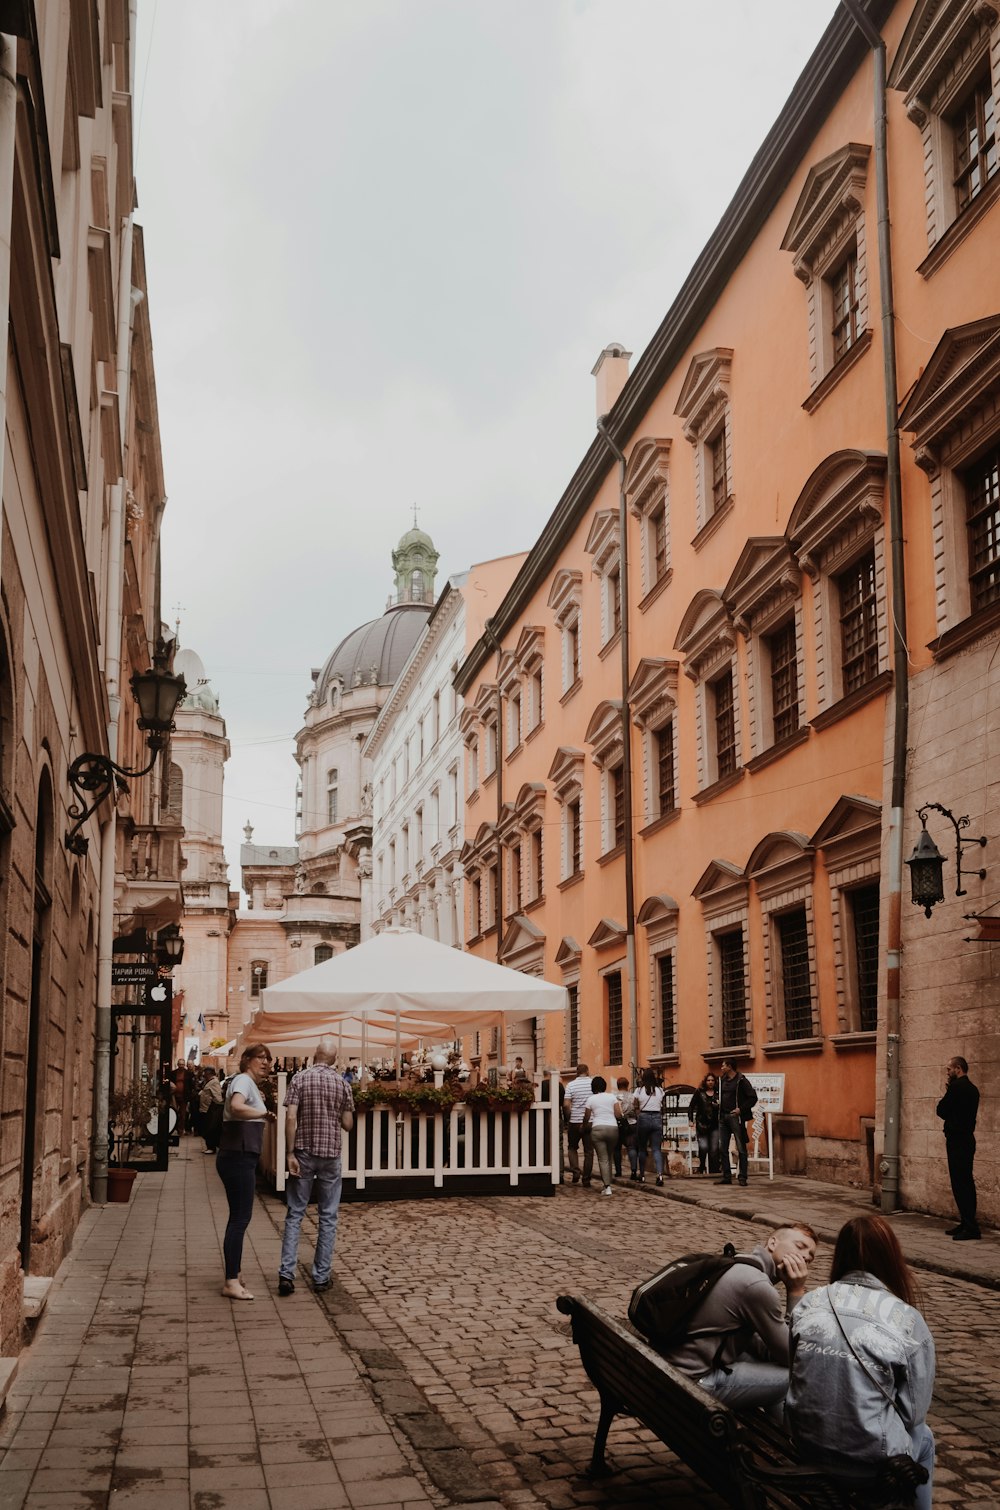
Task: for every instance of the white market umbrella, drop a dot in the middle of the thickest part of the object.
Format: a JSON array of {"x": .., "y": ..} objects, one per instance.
[{"x": 403, "y": 977}]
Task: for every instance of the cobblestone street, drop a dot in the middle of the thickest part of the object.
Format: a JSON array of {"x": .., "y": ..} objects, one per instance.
[{"x": 437, "y": 1369}]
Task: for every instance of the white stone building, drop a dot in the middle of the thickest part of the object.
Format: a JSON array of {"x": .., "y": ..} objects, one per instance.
[{"x": 417, "y": 768}]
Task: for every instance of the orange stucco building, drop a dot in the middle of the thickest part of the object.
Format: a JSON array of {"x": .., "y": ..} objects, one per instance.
[{"x": 743, "y": 830}]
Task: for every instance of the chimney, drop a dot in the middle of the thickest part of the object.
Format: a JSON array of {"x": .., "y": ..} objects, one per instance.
[{"x": 611, "y": 373}]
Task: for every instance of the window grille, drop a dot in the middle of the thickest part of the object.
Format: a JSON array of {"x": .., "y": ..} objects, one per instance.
[
  {"x": 725, "y": 725},
  {"x": 793, "y": 942},
  {"x": 846, "y": 305},
  {"x": 665, "y": 769},
  {"x": 859, "y": 624},
  {"x": 982, "y": 492},
  {"x": 614, "y": 600},
  {"x": 613, "y": 988},
  {"x": 258, "y": 977},
  {"x": 784, "y": 682},
  {"x": 535, "y": 851},
  {"x": 665, "y": 994},
  {"x": 575, "y": 838},
  {"x": 322, "y": 952},
  {"x": 975, "y": 129},
  {"x": 515, "y": 879},
  {"x": 573, "y": 992},
  {"x": 616, "y": 776},
  {"x": 732, "y": 982},
  {"x": 864, "y": 917}
]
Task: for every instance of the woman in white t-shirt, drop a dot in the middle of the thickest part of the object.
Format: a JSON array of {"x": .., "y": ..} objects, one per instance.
[
  {"x": 601, "y": 1112},
  {"x": 243, "y": 1117},
  {"x": 649, "y": 1105}
]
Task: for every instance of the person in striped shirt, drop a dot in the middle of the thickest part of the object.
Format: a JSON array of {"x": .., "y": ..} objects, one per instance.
[{"x": 574, "y": 1102}]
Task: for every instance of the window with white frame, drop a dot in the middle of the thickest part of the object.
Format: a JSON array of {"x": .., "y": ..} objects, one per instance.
[
  {"x": 536, "y": 871},
  {"x": 536, "y": 709},
  {"x": 781, "y": 870},
  {"x": 723, "y": 893},
  {"x": 331, "y": 795},
  {"x": 603, "y": 544},
  {"x": 258, "y": 977},
  {"x": 707, "y": 641},
  {"x": 953, "y": 413},
  {"x": 652, "y": 699},
  {"x": 658, "y": 915},
  {"x": 605, "y": 735},
  {"x": 514, "y": 719},
  {"x": 827, "y": 238},
  {"x": 948, "y": 67},
  {"x": 849, "y": 840},
  {"x": 764, "y": 595},
  {"x": 647, "y": 492},
  {"x": 564, "y": 600},
  {"x": 704, "y": 408},
  {"x": 837, "y": 535},
  {"x": 566, "y": 777}
]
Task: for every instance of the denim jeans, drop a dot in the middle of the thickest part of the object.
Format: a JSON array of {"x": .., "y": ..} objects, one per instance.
[
  {"x": 750, "y": 1381},
  {"x": 238, "y": 1173},
  {"x": 708, "y": 1150},
  {"x": 650, "y": 1131},
  {"x": 325, "y": 1175}
]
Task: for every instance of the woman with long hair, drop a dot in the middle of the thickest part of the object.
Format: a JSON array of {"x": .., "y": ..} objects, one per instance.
[
  {"x": 649, "y": 1128},
  {"x": 703, "y": 1115},
  {"x": 243, "y": 1116},
  {"x": 862, "y": 1366}
]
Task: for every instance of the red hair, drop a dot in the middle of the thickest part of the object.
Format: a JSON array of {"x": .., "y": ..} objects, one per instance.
[{"x": 868, "y": 1242}]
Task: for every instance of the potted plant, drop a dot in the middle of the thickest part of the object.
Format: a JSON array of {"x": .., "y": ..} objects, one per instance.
[
  {"x": 129, "y": 1109},
  {"x": 496, "y": 1098}
]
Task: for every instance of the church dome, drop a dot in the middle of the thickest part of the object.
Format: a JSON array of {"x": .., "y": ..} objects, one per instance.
[{"x": 374, "y": 654}]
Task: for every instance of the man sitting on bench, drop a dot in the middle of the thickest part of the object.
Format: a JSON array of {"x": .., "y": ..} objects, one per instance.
[{"x": 737, "y": 1344}]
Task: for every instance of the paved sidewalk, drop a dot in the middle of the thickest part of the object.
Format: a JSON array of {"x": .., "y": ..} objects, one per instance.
[
  {"x": 436, "y": 1371},
  {"x": 145, "y": 1388}
]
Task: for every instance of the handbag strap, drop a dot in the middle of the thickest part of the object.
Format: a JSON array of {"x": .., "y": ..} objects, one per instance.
[{"x": 877, "y": 1382}]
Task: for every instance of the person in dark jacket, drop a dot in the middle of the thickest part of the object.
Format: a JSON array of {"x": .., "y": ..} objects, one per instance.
[
  {"x": 737, "y": 1099},
  {"x": 703, "y": 1115},
  {"x": 958, "y": 1109}
]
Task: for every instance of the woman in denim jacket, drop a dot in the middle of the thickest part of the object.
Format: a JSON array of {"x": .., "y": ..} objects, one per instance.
[{"x": 862, "y": 1362}]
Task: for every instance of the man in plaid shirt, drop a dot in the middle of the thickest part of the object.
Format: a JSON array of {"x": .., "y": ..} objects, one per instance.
[{"x": 318, "y": 1104}]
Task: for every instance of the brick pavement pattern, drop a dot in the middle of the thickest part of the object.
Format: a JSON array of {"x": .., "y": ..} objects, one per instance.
[{"x": 435, "y": 1371}]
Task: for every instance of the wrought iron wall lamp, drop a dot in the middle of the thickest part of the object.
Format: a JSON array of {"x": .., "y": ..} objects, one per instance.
[
  {"x": 94, "y": 777},
  {"x": 927, "y": 862}
]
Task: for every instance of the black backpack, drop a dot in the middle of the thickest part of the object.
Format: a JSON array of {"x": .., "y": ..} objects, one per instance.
[{"x": 662, "y": 1306}]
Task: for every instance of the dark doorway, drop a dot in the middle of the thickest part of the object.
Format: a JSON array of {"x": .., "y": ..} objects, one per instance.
[{"x": 36, "y": 1009}]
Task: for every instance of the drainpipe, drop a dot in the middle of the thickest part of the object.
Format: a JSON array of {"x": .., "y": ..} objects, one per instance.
[
  {"x": 889, "y": 1165},
  {"x": 8, "y": 131},
  {"x": 633, "y": 1011},
  {"x": 112, "y": 680},
  {"x": 490, "y": 634}
]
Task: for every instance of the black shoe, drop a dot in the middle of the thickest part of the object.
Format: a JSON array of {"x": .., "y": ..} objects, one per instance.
[
  {"x": 285, "y": 1286},
  {"x": 659, "y": 1179},
  {"x": 723, "y": 1182},
  {"x": 741, "y": 1182},
  {"x": 634, "y": 1175},
  {"x": 950, "y": 1231},
  {"x": 966, "y": 1235},
  {"x": 319, "y": 1285},
  {"x": 576, "y": 1179}
]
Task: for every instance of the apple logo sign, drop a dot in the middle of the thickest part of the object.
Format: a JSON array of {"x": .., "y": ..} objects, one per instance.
[{"x": 158, "y": 993}]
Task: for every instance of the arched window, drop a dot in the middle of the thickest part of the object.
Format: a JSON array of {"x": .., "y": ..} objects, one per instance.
[
  {"x": 322, "y": 952},
  {"x": 332, "y": 783},
  {"x": 417, "y": 585}
]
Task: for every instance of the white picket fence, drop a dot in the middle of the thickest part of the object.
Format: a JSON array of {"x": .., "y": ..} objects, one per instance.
[{"x": 437, "y": 1147}]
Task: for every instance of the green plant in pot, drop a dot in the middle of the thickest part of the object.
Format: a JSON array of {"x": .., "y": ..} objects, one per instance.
[{"x": 129, "y": 1109}]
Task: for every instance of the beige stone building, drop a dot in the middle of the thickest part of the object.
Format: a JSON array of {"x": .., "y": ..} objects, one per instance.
[{"x": 81, "y": 480}]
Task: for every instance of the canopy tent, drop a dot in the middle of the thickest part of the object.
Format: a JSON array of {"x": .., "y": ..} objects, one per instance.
[
  {"x": 353, "y": 1035},
  {"x": 401, "y": 976}
]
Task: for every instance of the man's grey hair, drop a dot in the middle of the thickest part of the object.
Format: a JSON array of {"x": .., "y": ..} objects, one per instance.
[{"x": 326, "y": 1050}]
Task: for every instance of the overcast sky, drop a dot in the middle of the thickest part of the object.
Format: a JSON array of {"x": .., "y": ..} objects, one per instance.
[{"x": 386, "y": 241}]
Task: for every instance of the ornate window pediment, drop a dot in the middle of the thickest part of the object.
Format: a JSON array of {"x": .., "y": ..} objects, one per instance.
[
  {"x": 721, "y": 883},
  {"x": 764, "y": 578},
  {"x": 566, "y": 770},
  {"x": 602, "y": 541},
  {"x": 652, "y": 693},
  {"x": 781, "y": 859},
  {"x": 530, "y": 646},
  {"x": 608, "y": 934},
  {"x": 523, "y": 943},
  {"x": 569, "y": 953},
  {"x": 705, "y": 387},
  {"x": 604, "y": 732},
  {"x": 962, "y": 376},
  {"x": 647, "y": 475},
  {"x": 657, "y": 911},
  {"x": 936, "y": 35},
  {"x": 834, "y": 191},
  {"x": 705, "y": 635},
  {"x": 529, "y": 805},
  {"x": 846, "y": 486},
  {"x": 564, "y": 594},
  {"x": 853, "y": 823}
]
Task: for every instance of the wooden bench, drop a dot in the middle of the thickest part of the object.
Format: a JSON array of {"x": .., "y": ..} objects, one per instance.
[{"x": 747, "y": 1460}]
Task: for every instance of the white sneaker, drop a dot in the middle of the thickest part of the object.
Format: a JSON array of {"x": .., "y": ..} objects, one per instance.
[{"x": 607, "y": 1190}]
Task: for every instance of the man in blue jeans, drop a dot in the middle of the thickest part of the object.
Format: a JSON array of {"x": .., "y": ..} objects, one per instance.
[{"x": 318, "y": 1106}]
